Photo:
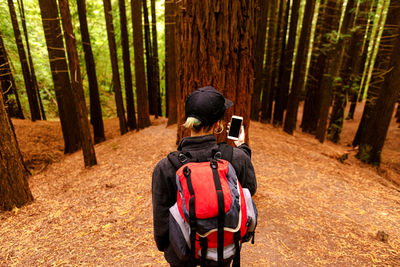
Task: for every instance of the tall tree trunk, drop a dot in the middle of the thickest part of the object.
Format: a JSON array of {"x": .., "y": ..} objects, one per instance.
[
  {"x": 352, "y": 47},
  {"x": 141, "y": 92},
  {"x": 221, "y": 58},
  {"x": 382, "y": 61},
  {"x": 269, "y": 82},
  {"x": 59, "y": 72},
  {"x": 130, "y": 104},
  {"x": 287, "y": 60},
  {"x": 149, "y": 63},
  {"x": 114, "y": 65},
  {"x": 30, "y": 89},
  {"x": 156, "y": 68},
  {"x": 31, "y": 67},
  {"x": 96, "y": 117},
  {"x": 259, "y": 59},
  {"x": 8, "y": 84},
  {"x": 170, "y": 66},
  {"x": 330, "y": 81},
  {"x": 374, "y": 136},
  {"x": 398, "y": 111},
  {"x": 327, "y": 22},
  {"x": 298, "y": 72},
  {"x": 14, "y": 188},
  {"x": 77, "y": 88}
]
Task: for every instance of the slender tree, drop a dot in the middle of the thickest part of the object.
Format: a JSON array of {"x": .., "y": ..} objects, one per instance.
[
  {"x": 327, "y": 25},
  {"x": 151, "y": 87},
  {"x": 141, "y": 93},
  {"x": 329, "y": 81},
  {"x": 30, "y": 89},
  {"x": 262, "y": 19},
  {"x": 398, "y": 111},
  {"x": 114, "y": 65},
  {"x": 8, "y": 84},
  {"x": 156, "y": 68},
  {"x": 374, "y": 136},
  {"x": 31, "y": 66},
  {"x": 77, "y": 87},
  {"x": 14, "y": 188},
  {"x": 221, "y": 54},
  {"x": 298, "y": 72},
  {"x": 267, "y": 93},
  {"x": 170, "y": 66},
  {"x": 130, "y": 104},
  {"x": 286, "y": 65},
  {"x": 96, "y": 117},
  {"x": 59, "y": 72}
]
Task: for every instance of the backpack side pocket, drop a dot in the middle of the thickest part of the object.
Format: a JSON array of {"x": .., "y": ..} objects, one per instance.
[
  {"x": 252, "y": 215},
  {"x": 179, "y": 233}
]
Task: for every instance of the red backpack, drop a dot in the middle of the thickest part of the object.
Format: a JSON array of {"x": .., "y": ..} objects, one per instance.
[{"x": 213, "y": 213}]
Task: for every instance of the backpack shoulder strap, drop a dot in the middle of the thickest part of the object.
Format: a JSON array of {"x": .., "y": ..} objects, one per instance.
[
  {"x": 179, "y": 158},
  {"x": 226, "y": 150}
]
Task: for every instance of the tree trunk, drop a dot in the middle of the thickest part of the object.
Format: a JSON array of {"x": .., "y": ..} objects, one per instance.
[
  {"x": 59, "y": 72},
  {"x": 170, "y": 60},
  {"x": 156, "y": 68},
  {"x": 398, "y": 111},
  {"x": 14, "y": 188},
  {"x": 259, "y": 59},
  {"x": 30, "y": 89},
  {"x": 77, "y": 88},
  {"x": 269, "y": 82},
  {"x": 96, "y": 117},
  {"x": 8, "y": 84},
  {"x": 141, "y": 93},
  {"x": 286, "y": 65},
  {"x": 377, "y": 126},
  {"x": 114, "y": 65},
  {"x": 130, "y": 104},
  {"x": 221, "y": 58},
  {"x": 327, "y": 21},
  {"x": 331, "y": 79},
  {"x": 31, "y": 67},
  {"x": 149, "y": 63},
  {"x": 352, "y": 47},
  {"x": 298, "y": 72}
]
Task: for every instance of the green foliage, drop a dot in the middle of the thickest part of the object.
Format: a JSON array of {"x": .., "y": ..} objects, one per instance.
[{"x": 99, "y": 42}]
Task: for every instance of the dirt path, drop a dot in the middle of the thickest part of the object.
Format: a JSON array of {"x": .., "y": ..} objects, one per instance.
[{"x": 314, "y": 210}]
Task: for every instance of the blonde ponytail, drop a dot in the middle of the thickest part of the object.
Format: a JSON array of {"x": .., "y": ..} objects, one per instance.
[{"x": 192, "y": 123}]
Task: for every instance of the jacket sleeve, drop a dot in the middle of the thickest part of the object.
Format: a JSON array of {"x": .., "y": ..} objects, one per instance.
[
  {"x": 241, "y": 161},
  {"x": 163, "y": 198}
]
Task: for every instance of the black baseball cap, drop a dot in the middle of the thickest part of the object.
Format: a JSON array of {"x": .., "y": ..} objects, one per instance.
[{"x": 206, "y": 104}]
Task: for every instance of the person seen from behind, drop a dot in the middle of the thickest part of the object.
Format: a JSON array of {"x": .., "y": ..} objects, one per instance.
[{"x": 204, "y": 112}]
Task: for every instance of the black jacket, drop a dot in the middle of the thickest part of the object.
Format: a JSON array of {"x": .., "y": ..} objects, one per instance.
[{"x": 164, "y": 190}]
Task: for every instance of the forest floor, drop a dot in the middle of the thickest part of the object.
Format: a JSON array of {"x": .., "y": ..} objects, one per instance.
[{"x": 313, "y": 209}]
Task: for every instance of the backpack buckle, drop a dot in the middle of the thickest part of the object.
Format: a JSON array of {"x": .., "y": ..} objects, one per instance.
[
  {"x": 182, "y": 158},
  {"x": 218, "y": 155},
  {"x": 214, "y": 164}
]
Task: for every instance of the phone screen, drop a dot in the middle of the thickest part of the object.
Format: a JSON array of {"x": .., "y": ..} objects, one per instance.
[{"x": 234, "y": 130}]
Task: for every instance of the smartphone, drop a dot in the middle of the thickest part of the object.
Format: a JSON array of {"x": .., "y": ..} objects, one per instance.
[{"x": 234, "y": 130}]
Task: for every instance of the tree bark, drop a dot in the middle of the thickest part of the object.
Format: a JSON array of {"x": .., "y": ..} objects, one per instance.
[
  {"x": 30, "y": 89},
  {"x": 14, "y": 188},
  {"x": 96, "y": 117},
  {"x": 156, "y": 68},
  {"x": 284, "y": 77},
  {"x": 77, "y": 88},
  {"x": 220, "y": 35},
  {"x": 8, "y": 84},
  {"x": 170, "y": 66},
  {"x": 259, "y": 59},
  {"x": 59, "y": 72},
  {"x": 130, "y": 103},
  {"x": 298, "y": 72},
  {"x": 114, "y": 65},
  {"x": 141, "y": 92},
  {"x": 377, "y": 126}
]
